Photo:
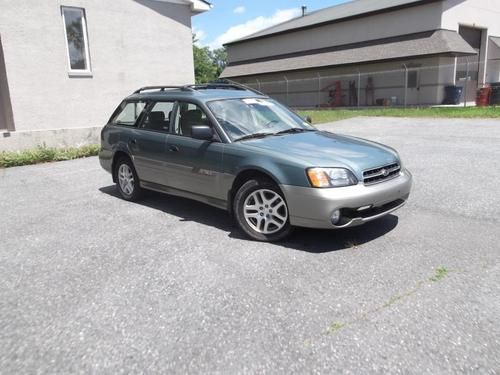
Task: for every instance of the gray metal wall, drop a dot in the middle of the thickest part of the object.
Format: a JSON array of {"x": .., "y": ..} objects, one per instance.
[
  {"x": 309, "y": 88},
  {"x": 305, "y": 88},
  {"x": 406, "y": 21}
]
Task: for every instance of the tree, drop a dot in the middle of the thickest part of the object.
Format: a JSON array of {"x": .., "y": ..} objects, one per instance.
[
  {"x": 219, "y": 59},
  {"x": 208, "y": 64}
]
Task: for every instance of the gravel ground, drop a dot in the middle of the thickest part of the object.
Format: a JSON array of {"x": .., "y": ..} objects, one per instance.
[{"x": 91, "y": 283}]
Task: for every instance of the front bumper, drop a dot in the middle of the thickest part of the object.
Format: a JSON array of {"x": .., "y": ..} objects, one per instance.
[{"x": 313, "y": 208}]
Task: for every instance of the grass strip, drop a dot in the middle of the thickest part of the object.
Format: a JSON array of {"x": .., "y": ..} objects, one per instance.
[
  {"x": 44, "y": 154},
  {"x": 330, "y": 115}
]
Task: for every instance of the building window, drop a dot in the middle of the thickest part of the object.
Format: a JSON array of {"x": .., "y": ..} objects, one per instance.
[{"x": 75, "y": 29}]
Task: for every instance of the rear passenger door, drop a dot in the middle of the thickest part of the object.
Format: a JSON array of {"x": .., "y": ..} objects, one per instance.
[
  {"x": 149, "y": 146},
  {"x": 193, "y": 165}
]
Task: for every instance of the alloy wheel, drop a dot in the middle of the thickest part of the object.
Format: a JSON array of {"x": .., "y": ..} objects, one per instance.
[
  {"x": 265, "y": 211},
  {"x": 126, "y": 179}
]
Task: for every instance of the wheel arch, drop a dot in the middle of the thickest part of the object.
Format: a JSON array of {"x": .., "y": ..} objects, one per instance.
[{"x": 245, "y": 175}]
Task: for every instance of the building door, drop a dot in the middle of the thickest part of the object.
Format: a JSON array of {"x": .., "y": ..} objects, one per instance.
[
  {"x": 6, "y": 118},
  {"x": 468, "y": 67},
  {"x": 413, "y": 87}
]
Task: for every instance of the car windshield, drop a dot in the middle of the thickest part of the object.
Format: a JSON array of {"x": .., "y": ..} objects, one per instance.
[{"x": 243, "y": 118}]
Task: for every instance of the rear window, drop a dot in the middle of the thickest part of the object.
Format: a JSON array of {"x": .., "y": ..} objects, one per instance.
[{"x": 129, "y": 113}]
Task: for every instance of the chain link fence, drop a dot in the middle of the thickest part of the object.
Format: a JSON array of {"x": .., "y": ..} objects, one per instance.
[{"x": 410, "y": 85}]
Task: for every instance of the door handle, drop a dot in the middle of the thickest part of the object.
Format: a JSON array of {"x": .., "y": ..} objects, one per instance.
[{"x": 173, "y": 148}]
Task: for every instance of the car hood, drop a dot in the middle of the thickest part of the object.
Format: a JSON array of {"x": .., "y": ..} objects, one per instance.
[{"x": 325, "y": 149}]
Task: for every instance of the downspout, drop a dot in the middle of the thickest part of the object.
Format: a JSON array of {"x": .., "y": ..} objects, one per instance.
[
  {"x": 286, "y": 79},
  {"x": 359, "y": 88},
  {"x": 466, "y": 80},
  {"x": 319, "y": 90},
  {"x": 454, "y": 78},
  {"x": 406, "y": 84}
]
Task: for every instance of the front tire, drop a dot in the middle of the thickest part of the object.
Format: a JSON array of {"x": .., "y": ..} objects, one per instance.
[
  {"x": 261, "y": 211},
  {"x": 127, "y": 182}
]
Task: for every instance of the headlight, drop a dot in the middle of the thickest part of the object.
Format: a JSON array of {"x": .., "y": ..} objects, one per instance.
[{"x": 331, "y": 177}]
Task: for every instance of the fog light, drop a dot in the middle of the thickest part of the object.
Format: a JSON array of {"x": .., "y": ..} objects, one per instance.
[{"x": 335, "y": 218}]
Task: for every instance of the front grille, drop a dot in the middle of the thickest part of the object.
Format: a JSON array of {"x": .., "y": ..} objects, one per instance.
[{"x": 376, "y": 175}]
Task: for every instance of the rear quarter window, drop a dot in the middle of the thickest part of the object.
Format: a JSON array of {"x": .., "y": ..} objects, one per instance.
[{"x": 129, "y": 113}]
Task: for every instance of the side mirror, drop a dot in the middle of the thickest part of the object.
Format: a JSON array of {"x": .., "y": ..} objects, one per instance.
[
  {"x": 202, "y": 132},
  {"x": 309, "y": 119}
]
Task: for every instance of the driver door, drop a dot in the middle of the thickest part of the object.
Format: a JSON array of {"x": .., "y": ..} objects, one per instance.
[{"x": 193, "y": 165}]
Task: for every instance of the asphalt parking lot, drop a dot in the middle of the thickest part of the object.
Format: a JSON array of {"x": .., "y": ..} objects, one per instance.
[{"x": 91, "y": 283}]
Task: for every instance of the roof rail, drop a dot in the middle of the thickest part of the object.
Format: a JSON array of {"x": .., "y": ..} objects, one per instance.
[
  {"x": 213, "y": 86},
  {"x": 224, "y": 85},
  {"x": 241, "y": 85},
  {"x": 162, "y": 88}
]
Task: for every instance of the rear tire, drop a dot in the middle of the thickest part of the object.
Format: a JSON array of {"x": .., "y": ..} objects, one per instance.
[
  {"x": 127, "y": 181},
  {"x": 261, "y": 211}
]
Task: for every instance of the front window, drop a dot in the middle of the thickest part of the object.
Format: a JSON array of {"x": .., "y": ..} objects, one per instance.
[
  {"x": 189, "y": 115},
  {"x": 255, "y": 116},
  {"x": 75, "y": 29}
]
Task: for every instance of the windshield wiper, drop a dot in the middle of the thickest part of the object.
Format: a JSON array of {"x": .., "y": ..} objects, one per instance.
[
  {"x": 294, "y": 130},
  {"x": 253, "y": 136}
]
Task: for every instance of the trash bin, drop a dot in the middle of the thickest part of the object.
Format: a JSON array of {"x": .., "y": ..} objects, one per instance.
[
  {"x": 483, "y": 96},
  {"x": 495, "y": 94},
  {"x": 452, "y": 94}
]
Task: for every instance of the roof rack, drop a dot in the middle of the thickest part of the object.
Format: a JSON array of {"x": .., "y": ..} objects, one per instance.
[
  {"x": 224, "y": 84},
  {"x": 225, "y": 80},
  {"x": 162, "y": 88},
  {"x": 220, "y": 84}
]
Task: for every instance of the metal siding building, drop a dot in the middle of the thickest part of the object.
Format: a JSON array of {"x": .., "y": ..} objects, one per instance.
[{"x": 411, "y": 50}]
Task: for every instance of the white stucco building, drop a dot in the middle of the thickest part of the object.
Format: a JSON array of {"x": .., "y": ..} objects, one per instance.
[
  {"x": 409, "y": 49},
  {"x": 66, "y": 64}
]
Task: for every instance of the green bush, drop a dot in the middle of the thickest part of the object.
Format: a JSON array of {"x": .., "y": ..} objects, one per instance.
[{"x": 44, "y": 154}]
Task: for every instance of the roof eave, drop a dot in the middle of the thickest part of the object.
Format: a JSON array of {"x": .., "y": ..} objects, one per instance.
[
  {"x": 200, "y": 6},
  {"x": 197, "y": 6},
  {"x": 405, "y": 58}
]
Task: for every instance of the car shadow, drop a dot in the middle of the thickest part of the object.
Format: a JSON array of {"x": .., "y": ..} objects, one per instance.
[{"x": 303, "y": 239}]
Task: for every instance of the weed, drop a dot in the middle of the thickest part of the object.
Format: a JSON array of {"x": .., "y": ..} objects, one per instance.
[
  {"x": 441, "y": 273},
  {"x": 334, "y": 327}
]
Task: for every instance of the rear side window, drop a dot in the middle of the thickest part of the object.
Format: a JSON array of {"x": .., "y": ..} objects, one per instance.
[
  {"x": 129, "y": 113},
  {"x": 159, "y": 116}
]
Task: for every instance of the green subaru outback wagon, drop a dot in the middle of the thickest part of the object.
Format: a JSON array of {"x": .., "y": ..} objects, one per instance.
[{"x": 237, "y": 149}]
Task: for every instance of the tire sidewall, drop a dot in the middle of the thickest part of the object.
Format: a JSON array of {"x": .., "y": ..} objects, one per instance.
[{"x": 238, "y": 208}]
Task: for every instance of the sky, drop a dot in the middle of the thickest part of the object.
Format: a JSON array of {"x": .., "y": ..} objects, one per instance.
[{"x": 232, "y": 19}]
